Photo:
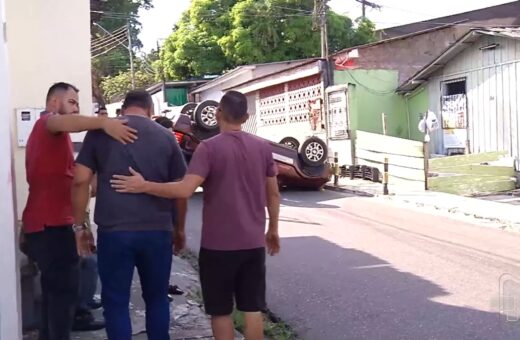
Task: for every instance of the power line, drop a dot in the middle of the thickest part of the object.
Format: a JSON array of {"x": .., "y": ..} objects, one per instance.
[
  {"x": 293, "y": 9},
  {"x": 102, "y": 53},
  {"x": 108, "y": 39},
  {"x": 119, "y": 40},
  {"x": 109, "y": 46},
  {"x": 115, "y": 32}
]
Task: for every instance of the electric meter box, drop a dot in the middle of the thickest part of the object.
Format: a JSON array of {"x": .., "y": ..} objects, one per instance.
[{"x": 25, "y": 119}]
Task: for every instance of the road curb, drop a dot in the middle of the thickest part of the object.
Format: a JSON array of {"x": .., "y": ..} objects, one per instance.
[
  {"x": 349, "y": 191},
  {"x": 504, "y": 223}
]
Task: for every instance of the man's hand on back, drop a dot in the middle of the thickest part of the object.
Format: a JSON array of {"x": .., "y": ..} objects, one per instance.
[
  {"x": 117, "y": 129},
  {"x": 129, "y": 184}
]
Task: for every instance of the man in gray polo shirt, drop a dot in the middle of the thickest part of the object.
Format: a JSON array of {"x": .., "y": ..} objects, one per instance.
[{"x": 133, "y": 230}]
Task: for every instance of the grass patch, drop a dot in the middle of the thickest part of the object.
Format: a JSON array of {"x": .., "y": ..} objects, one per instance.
[
  {"x": 276, "y": 330},
  {"x": 195, "y": 295}
]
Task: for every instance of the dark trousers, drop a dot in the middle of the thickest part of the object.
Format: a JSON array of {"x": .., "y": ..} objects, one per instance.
[
  {"x": 151, "y": 253},
  {"x": 54, "y": 251},
  {"x": 88, "y": 283}
]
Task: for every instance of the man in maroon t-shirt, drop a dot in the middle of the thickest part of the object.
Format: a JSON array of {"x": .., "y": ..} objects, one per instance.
[
  {"x": 47, "y": 219},
  {"x": 238, "y": 174}
]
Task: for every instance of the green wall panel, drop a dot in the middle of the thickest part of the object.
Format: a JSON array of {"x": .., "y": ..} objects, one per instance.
[{"x": 372, "y": 92}]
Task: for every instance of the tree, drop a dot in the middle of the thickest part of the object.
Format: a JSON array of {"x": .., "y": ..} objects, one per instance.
[
  {"x": 365, "y": 32},
  {"x": 111, "y": 15},
  {"x": 214, "y": 36},
  {"x": 146, "y": 74},
  {"x": 193, "y": 48},
  {"x": 116, "y": 86}
]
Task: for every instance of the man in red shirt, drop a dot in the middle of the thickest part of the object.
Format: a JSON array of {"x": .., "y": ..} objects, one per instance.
[{"x": 47, "y": 218}]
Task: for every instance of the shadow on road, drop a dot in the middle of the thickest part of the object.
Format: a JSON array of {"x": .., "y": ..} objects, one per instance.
[{"x": 327, "y": 292}]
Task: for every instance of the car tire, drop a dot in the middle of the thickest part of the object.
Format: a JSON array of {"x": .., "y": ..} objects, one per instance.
[
  {"x": 188, "y": 109},
  {"x": 291, "y": 143},
  {"x": 205, "y": 115},
  {"x": 313, "y": 152}
]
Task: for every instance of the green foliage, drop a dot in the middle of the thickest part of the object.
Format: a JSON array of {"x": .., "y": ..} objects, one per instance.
[
  {"x": 118, "y": 85},
  {"x": 365, "y": 32},
  {"x": 146, "y": 74},
  {"x": 216, "y": 35},
  {"x": 111, "y": 15}
]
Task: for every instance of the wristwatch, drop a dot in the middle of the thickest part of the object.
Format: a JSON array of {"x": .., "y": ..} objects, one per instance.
[{"x": 80, "y": 227}]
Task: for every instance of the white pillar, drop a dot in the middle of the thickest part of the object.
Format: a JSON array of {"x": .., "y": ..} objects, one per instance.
[{"x": 10, "y": 310}]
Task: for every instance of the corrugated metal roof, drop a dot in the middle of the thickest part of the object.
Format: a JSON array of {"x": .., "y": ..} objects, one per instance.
[
  {"x": 508, "y": 32},
  {"x": 239, "y": 69},
  {"x": 461, "y": 44}
]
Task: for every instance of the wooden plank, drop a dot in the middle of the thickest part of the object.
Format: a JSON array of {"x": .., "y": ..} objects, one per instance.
[
  {"x": 443, "y": 162},
  {"x": 396, "y": 171},
  {"x": 470, "y": 185},
  {"x": 479, "y": 170},
  {"x": 402, "y": 161},
  {"x": 386, "y": 144}
]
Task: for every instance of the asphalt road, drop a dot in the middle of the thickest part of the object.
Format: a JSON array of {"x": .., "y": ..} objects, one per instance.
[{"x": 359, "y": 268}]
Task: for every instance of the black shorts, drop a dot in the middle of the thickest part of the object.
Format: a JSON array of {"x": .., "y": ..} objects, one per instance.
[{"x": 234, "y": 274}]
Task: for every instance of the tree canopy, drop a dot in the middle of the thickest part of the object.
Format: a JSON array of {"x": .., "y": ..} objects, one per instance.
[
  {"x": 112, "y": 60},
  {"x": 215, "y": 35}
]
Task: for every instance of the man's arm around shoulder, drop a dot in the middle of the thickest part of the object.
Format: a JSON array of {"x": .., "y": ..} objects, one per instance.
[{"x": 115, "y": 128}]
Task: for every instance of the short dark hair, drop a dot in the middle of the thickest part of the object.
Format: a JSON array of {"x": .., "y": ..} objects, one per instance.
[
  {"x": 138, "y": 98},
  {"x": 57, "y": 87},
  {"x": 234, "y": 106},
  {"x": 164, "y": 121}
]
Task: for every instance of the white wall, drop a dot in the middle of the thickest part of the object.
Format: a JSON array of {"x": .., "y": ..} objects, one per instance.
[
  {"x": 213, "y": 94},
  {"x": 48, "y": 41},
  {"x": 10, "y": 316}
]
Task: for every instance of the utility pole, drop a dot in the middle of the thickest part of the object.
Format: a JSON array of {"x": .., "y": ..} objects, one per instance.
[
  {"x": 163, "y": 78},
  {"x": 131, "y": 53},
  {"x": 320, "y": 20},
  {"x": 365, "y": 4}
]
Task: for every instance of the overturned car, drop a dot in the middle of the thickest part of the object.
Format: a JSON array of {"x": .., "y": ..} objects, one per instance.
[{"x": 303, "y": 168}]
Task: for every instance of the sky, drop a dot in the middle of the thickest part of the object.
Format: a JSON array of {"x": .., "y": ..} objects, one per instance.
[{"x": 158, "y": 22}]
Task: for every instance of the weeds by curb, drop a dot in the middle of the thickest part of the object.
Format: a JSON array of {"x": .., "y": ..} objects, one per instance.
[{"x": 274, "y": 327}]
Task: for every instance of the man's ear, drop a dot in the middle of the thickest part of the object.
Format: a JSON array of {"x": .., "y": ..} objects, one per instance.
[{"x": 245, "y": 118}]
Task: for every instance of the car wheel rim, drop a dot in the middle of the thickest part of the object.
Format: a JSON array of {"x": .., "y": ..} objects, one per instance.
[
  {"x": 207, "y": 116},
  {"x": 314, "y": 152}
]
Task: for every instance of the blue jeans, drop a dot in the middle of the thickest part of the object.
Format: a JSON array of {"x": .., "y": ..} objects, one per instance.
[{"x": 118, "y": 253}]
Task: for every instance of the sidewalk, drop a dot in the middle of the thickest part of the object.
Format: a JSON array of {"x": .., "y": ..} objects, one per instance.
[
  {"x": 188, "y": 320},
  {"x": 503, "y": 215}
]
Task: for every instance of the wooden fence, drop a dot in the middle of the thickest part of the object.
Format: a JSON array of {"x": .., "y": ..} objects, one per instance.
[{"x": 406, "y": 165}]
